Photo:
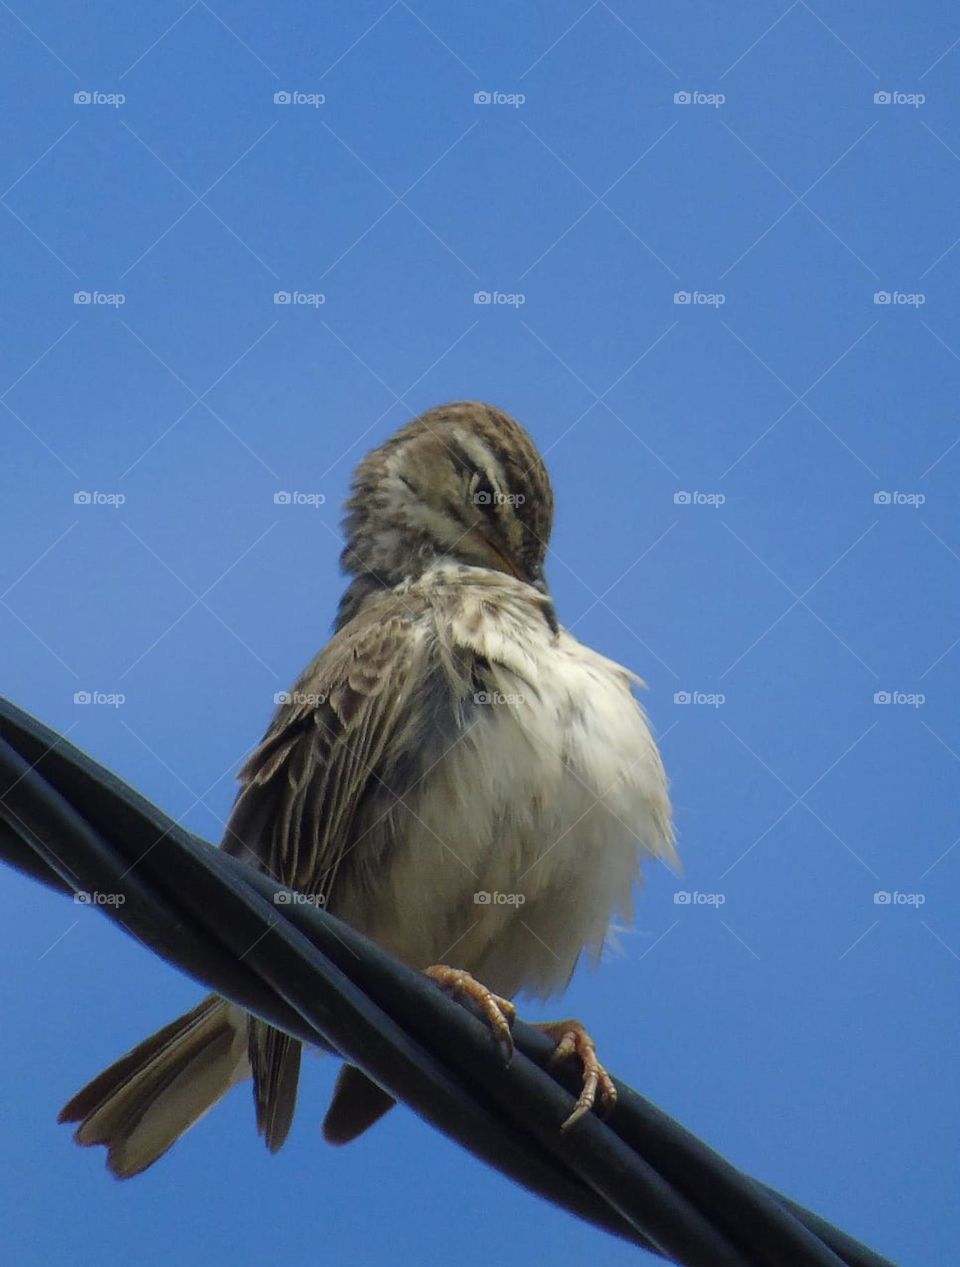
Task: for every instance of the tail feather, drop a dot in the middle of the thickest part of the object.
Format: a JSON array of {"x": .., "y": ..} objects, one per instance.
[
  {"x": 357, "y": 1103},
  {"x": 275, "y": 1060},
  {"x": 146, "y": 1100}
]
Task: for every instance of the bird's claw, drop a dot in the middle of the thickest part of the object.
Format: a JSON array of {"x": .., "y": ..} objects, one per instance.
[
  {"x": 572, "y": 1039},
  {"x": 498, "y": 1013}
]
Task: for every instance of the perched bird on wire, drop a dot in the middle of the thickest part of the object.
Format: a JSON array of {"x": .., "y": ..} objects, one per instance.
[{"x": 454, "y": 775}]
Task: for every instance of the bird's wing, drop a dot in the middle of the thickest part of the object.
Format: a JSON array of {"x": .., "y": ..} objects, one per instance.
[{"x": 304, "y": 784}]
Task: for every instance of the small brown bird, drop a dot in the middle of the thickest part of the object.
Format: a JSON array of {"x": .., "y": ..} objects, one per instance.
[{"x": 454, "y": 775}]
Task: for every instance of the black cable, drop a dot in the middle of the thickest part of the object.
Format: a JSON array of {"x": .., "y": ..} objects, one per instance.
[
  {"x": 641, "y": 1176},
  {"x": 408, "y": 1069}
]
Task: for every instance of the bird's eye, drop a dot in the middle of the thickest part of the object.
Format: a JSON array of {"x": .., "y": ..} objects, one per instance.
[{"x": 481, "y": 492}]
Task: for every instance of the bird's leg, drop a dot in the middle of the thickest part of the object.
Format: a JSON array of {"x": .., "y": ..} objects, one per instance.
[
  {"x": 573, "y": 1040},
  {"x": 497, "y": 1012}
]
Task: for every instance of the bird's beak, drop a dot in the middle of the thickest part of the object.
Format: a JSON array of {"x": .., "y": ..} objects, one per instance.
[
  {"x": 537, "y": 580},
  {"x": 506, "y": 564}
]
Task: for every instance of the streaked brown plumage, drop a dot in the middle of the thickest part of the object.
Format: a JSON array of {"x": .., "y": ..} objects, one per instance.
[{"x": 450, "y": 740}]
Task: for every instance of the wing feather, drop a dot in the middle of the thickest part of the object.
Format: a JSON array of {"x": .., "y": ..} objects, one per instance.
[{"x": 303, "y": 787}]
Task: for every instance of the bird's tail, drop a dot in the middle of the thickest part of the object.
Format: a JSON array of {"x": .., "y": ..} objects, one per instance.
[{"x": 146, "y": 1100}]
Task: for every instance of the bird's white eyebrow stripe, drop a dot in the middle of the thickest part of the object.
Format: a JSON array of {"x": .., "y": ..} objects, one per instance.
[{"x": 482, "y": 457}]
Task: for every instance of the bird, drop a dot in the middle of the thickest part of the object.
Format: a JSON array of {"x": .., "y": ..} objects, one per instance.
[{"x": 455, "y": 775}]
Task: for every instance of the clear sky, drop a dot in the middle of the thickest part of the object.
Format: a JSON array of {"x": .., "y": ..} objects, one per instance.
[{"x": 757, "y": 511}]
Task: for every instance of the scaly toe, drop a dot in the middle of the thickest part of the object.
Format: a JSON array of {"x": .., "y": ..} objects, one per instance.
[
  {"x": 573, "y": 1040},
  {"x": 497, "y": 1012}
]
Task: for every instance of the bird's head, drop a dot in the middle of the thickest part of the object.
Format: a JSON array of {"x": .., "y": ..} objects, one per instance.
[{"x": 463, "y": 482}]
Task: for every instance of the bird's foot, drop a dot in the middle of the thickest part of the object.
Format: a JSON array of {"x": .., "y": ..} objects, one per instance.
[
  {"x": 573, "y": 1040},
  {"x": 497, "y": 1012}
]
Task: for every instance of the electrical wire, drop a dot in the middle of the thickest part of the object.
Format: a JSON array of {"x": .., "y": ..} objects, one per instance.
[{"x": 72, "y": 825}]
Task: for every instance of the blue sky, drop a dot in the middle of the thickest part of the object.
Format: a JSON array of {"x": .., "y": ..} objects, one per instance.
[{"x": 722, "y": 279}]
